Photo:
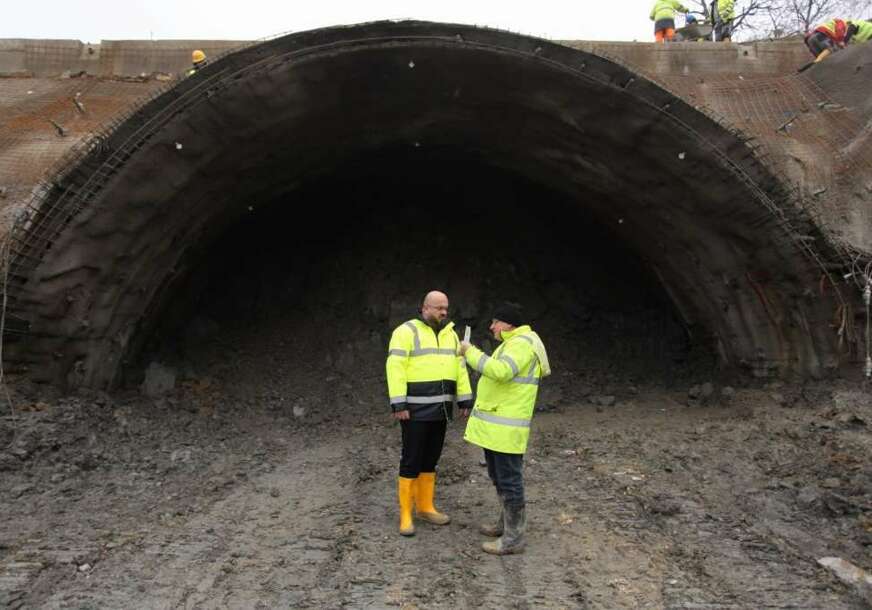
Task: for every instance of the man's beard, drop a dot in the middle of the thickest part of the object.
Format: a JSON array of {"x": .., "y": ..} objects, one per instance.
[{"x": 437, "y": 324}]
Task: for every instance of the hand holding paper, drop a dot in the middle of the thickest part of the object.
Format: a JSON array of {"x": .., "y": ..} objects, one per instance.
[{"x": 465, "y": 345}]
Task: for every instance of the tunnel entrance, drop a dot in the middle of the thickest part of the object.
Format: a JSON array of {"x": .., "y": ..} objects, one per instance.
[
  {"x": 310, "y": 286},
  {"x": 309, "y": 124}
]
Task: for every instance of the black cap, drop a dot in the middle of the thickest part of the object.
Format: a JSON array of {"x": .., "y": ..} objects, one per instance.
[{"x": 510, "y": 313}]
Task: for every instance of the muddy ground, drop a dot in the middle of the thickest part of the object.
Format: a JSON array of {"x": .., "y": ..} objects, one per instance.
[
  {"x": 266, "y": 478},
  {"x": 227, "y": 494}
]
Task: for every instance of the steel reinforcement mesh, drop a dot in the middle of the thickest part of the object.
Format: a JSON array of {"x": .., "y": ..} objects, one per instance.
[
  {"x": 43, "y": 121},
  {"x": 805, "y": 138},
  {"x": 46, "y": 126}
]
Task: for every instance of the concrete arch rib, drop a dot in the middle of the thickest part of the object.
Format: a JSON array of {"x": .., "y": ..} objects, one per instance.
[{"x": 95, "y": 260}]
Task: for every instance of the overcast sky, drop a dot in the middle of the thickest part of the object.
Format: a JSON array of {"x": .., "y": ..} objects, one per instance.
[{"x": 95, "y": 20}]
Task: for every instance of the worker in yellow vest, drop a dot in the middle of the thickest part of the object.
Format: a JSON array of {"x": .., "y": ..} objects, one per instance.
[
  {"x": 500, "y": 419},
  {"x": 426, "y": 376},
  {"x": 724, "y": 15},
  {"x": 198, "y": 60}
]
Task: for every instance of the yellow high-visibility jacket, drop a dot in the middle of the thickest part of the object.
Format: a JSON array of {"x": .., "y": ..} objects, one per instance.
[
  {"x": 863, "y": 31},
  {"x": 506, "y": 393},
  {"x": 426, "y": 373},
  {"x": 665, "y": 9}
]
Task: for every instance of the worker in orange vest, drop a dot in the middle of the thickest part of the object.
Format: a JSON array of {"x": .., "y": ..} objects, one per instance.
[
  {"x": 663, "y": 16},
  {"x": 836, "y": 34}
]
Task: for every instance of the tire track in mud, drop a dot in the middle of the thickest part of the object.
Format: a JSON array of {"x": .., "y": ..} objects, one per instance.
[
  {"x": 262, "y": 544},
  {"x": 440, "y": 567},
  {"x": 379, "y": 568}
]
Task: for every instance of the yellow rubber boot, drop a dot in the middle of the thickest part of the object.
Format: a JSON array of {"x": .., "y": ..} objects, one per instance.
[
  {"x": 406, "y": 496},
  {"x": 424, "y": 491}
]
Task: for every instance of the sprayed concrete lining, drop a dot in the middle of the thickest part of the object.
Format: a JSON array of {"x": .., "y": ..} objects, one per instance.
[{"x": 687, "y": 196}]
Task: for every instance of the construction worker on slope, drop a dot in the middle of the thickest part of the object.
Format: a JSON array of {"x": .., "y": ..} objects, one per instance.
[
  {"x": 426, "y": 375},
  {"x": 663, "y": 16},
  {"x": 836, "y": 34},
  {"x": 500, "y": 420},
  {"x": 724, "y": 15},
  {"x": 198, "y": 60}
]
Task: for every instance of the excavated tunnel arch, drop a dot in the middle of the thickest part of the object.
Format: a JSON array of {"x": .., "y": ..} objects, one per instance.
[{"x": 101, "y": 255}]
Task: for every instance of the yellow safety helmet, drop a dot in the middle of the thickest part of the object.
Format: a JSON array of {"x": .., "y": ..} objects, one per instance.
[{"x": 198, "y": 56}]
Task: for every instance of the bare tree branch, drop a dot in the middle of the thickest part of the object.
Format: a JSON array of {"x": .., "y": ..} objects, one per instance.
[{"x": 780, "y": 18}]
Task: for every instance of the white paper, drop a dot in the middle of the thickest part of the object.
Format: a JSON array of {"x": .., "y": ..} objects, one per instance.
[{"x": 467, "y": 334}]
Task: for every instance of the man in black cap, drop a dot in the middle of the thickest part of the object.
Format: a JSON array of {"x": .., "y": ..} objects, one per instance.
[{"x": 500, "y": 419}]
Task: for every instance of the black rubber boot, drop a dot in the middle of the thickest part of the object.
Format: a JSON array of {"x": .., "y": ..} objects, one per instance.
[
  {"x": 512, "y": 540},
  {"x": 496, "y": 530}
]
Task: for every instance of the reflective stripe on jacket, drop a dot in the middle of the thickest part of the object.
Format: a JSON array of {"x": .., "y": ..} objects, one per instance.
[
  {"x": 665, "y": 9},
  {"x": 425, "y": 372},
  {"x": 835, "y": 30},
  {"x": 506, "y": 394}
]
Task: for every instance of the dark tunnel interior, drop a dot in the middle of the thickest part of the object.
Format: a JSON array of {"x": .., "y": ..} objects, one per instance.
[{"x": 310, "y": 286}]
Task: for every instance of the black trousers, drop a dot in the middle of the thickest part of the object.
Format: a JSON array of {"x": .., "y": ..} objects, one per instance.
[
  {"x": 819, "y": 41},
  {"x": 506, "y": 471},
  {"x": 422, "y": 446}
]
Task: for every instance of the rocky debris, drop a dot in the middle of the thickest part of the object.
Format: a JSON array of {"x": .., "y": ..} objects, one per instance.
[
  {"x": 583, "y": 391},
  {"x": 26, "y": 444},
  {"x": 551, "y": 395},
  {"x": 710, "y": 393},
  {"x": 796, "y": 395},
  {"x": 603, "y": 400},
  {"x": 182, "y": 456},
  {"x": 809, "y": 496},
  {"x": 8, "y": 462},
  {"x": 20, "y": 490},
  {"x": 159, "y": 380},
  {"x": 662, "y": 505},
  {"x": 830, "y": 500},
  {"x": 701, "y": 394},
  {"x": 780, "y": 399},
  {"x": 850, "y": 574},
  {"x": 860, "y": 400}
]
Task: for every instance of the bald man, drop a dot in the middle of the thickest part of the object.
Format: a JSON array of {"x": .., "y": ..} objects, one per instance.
[{"x": 426, "y": 376}]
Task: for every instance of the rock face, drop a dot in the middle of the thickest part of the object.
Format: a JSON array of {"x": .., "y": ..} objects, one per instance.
[{"x": 850, "y": 574}]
